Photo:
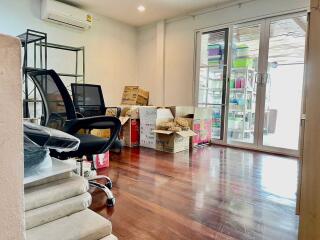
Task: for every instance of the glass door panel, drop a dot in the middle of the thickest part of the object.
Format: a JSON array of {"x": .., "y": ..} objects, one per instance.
[
  {"x": 242, "y": 84},
  {"x": 212, "y": 77},
  {"x": 284, "y": 83}
]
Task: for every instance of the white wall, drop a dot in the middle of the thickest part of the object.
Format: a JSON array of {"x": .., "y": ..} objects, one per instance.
[
  {"x": 146, "y": 50},
  {"x": 110, "y": 45},
  {"x": 180, "y": 45}
]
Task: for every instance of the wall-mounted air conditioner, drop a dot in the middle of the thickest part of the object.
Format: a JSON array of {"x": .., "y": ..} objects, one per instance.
[{"x": 65, "y": 14}]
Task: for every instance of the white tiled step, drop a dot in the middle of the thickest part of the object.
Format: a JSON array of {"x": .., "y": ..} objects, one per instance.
[
  {"x": 84, "y": 225},
  {"x": 110, "y": 237},
  {"x": 42, "y": 195},
  {"x": 49, "y": 213}
]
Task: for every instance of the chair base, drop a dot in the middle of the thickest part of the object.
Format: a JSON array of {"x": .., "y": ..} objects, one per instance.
[
  {"x": 110, "y": 198},
  {"x": 99, "y": 177},
  {"x": 106, "y": 188}
]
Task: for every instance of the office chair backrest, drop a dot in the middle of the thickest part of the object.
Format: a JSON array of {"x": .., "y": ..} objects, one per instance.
[
  {"x": 58, "y": 105},
  {"x": 88, "y": 99}
]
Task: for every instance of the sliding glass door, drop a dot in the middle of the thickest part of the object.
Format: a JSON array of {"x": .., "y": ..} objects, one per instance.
[
  {"x": 283, "y": 83},
  {"x": 265, "y": 73},
  {"x": 212, "y": 77}
]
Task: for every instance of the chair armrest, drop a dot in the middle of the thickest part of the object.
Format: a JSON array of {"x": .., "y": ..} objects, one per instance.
[
  {"x": 99, "y": 122},
  {"x": 79, "y": 115},
  {"x": 73, "y": 126}
]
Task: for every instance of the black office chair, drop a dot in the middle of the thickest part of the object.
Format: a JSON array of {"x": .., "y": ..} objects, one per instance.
[
  {"x": 60, "y": 113},
  {"x": 89, "y": 101}
]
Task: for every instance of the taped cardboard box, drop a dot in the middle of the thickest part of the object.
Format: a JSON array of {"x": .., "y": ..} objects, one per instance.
[
  {"x": 134, "y": 95},
  {"x": 173, "y": 142},
  {"x": 200, "y": 119},
  {"x": 150, "y": 117}
]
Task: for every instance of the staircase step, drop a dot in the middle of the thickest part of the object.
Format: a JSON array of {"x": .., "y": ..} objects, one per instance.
[
  {"x": 49, "y": 213},
  {"x": 45, "y": 194},
  {"x": 84, "y": 225},
  {"x": 110, "y": 237}
]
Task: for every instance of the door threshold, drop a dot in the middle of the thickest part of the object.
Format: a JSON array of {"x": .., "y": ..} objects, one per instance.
[{"x": 255, "y": 149}]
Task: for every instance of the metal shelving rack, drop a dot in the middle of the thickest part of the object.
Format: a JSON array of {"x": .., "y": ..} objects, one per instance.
[
  {"x": 32, "y": 38},
  {"x": 79, "y": 76},
  {"x": 38, "y": 40}
]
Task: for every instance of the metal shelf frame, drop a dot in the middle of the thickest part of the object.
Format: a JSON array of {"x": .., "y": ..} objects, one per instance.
[
  {"x": 30, "y": 39},
  {"x": 38, "y": 41}
]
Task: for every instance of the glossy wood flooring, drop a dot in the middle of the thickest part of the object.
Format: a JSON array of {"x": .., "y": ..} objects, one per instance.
[{"x": 210, "y": 193}]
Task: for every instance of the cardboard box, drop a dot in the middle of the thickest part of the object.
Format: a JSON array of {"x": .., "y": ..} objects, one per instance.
[
  {"x": 200, "y": 119},
  {"x": 134, "y": 95},
  {"x": 113, "y": 112},
  {"x": 150, "y": 117},
  {"x": 130, "y": 111},
  {"x": 103, "y": 133},
  {"x": 130, "y": 132},
  {"x": 173, "y": 142}
]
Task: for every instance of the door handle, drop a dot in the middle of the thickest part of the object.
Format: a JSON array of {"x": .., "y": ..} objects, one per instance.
[
  {"x": 303, "y": 119},
  {"x": 257, "y": 78}
]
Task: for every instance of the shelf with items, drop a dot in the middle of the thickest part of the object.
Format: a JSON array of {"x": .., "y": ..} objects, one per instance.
[{"x": 242, "y": 97}]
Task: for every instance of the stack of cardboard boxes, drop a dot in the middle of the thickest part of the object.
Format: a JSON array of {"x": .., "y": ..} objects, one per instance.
[{"x": 141, "y": 124}]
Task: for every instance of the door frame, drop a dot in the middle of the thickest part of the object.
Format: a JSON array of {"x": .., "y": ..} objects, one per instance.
[{"x": 224, "y": 104}]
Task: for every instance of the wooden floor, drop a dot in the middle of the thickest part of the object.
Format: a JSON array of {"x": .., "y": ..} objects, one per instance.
[{"x": 211, "y": 193}]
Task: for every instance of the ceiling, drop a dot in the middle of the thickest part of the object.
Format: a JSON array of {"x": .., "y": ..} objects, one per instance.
[{"x": 126, "y": 10}]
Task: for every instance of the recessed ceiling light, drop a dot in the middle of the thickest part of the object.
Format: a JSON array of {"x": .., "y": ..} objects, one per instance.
[{"x": 141, "y": 8}]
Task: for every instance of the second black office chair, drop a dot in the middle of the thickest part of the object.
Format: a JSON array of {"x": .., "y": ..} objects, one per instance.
[
  {"x": 60, "y": 113},
  {"x": 89, "y": 101}
]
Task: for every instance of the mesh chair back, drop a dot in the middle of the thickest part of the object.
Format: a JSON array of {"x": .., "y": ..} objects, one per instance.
[
  {"x": 58, "y": 106},
  {"x": 88, "y": 99}
]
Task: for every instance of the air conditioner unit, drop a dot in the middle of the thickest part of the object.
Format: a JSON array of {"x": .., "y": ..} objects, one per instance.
[{"x": 65, "y": 14}]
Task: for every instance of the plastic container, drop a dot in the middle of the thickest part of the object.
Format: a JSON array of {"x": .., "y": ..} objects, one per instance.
[
  {"x": 232, "y": 83},
  {"x": 242, "y": 51},
  {"x": 238, "y": 83},
  {"x": 243, "y": 63}
]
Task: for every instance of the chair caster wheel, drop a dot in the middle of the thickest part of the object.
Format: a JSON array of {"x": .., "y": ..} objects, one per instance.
[
  {"x": 111, "y": 202},
  {"x": 109, "y": 185}
]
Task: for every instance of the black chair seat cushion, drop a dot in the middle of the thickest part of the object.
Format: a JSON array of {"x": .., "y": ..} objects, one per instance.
[{"x": 89, "y": 145}]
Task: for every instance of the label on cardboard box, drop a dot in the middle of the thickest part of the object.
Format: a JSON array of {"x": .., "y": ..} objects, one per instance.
[{"x": 147, "y": 136}]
